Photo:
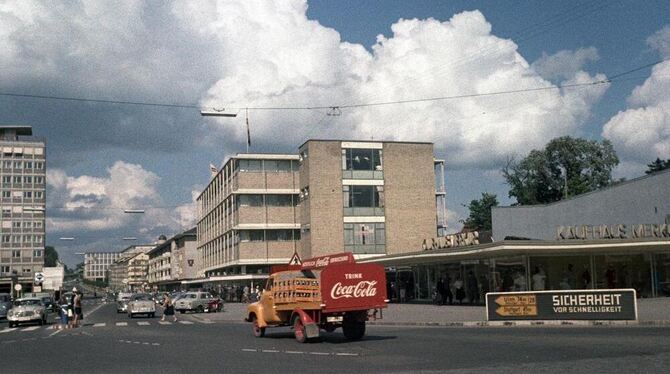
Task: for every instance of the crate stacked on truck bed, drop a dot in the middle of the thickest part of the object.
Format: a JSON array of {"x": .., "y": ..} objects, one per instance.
[{"x": 291, "y": 289}]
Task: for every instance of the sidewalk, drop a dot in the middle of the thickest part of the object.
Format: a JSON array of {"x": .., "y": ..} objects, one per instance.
[{"x": 651, "y": 312}]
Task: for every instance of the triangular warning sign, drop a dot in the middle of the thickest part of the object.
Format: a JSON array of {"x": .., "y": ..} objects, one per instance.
[{"x": 295, "y": 260}]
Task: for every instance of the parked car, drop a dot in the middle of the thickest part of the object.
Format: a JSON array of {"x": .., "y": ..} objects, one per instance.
[
  {"x": 214, "y": 305},
  {"x": 5, "y": 304},
  {"x": 122, "y": 302},
  {"x": 141, "y": 304},
  {"x": 193, "y": 301},
  {"x": 27, "y": 310}
]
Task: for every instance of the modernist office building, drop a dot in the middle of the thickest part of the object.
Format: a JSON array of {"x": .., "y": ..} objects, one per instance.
[
  {"x": 96, "y": 264},
  {"x": 23, "y": 173},
  {"x": 369, "y": 198},
  {"x": 617, "y": 237},
  {"x": 175, "y": 260}
]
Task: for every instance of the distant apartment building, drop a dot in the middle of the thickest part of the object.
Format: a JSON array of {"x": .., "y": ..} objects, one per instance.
[
  {"x": 368, "y": 198},
  {"x": 175, "y": 260},
  {"x": 96, "y": 264},
  {"x": 22, "y": 200},
  {"x": 130, "y": 269}
]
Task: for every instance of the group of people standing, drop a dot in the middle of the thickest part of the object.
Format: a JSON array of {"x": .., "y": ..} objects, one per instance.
[
  {"x": 70, "y": 310},
  {"x": 448, "y": 292}
]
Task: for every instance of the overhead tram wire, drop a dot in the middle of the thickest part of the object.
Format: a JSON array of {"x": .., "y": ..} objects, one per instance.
[{"x": 615, "y": 78}]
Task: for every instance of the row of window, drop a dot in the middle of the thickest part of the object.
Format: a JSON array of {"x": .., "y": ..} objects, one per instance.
[
  {"x": 18, "y": 239},
  {"x": 6, "y": 210},
  {"x": 22, "y": 224},
  {"x": 16, "y": 253},
  {"x": 258, "y": 200},
  {"x": 268, "y": 235},
  {"x": 362, "y": 159},
  {"x": 36, "y": 165},
  {"x": 24, "y": 194},
  {"x": 268, "y": 166},
  {"x": 22, "y": 179},
  {"x": 5, "y": 269}
]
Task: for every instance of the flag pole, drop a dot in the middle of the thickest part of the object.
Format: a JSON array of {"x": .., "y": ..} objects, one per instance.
[{"x": 248, "y": 134}]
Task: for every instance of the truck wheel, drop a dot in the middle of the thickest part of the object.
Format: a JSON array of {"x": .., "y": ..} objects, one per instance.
[
  {"x": 299, "y": 330},
  {"x": 259, "y": 332},
  {"x": 352, "y": 329}
]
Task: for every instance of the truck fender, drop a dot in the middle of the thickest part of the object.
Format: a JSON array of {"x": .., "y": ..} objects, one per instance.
[
  {"x": 311, "y": 327},
  {"x": 259, "y": 316}
]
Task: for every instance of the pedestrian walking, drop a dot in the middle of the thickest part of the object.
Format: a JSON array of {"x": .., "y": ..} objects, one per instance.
[
  {"x": 168, "y": 308},
  {"x": 62, "y": 313},
  {"x": 78, "y": 312}
]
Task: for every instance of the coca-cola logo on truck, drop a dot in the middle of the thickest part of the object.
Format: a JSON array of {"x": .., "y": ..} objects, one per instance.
[{"x": 361, "y": 289}]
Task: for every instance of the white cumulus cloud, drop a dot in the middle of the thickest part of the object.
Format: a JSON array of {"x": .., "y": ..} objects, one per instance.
[
  {"x": 641, "y": 133},
  {"x": 564, "y": 64}
]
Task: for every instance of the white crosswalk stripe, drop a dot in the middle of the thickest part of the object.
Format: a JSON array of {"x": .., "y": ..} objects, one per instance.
[
  {"x": 143, "y": 323},
  {"x": 104, "y": 324},
  {"x": 186, "y": 322},
  {"x": 100, "y": 325},
  {"x": 31, "y": 328},
  {"x": 164, "y": 322},
  {"x": 122, "y": 323}
]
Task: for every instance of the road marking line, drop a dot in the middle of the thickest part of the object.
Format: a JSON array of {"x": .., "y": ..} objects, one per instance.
[
  {"x": 155, "y": 343},
  {"x": 54, "y": 333},
  {"x": 136, "y": 342},
  {"x": 31, "y": 328},
  {"x": 8, "y": 330},
  {"x": 143, "y": 323},
  {"x": 346, "y": 354},
  {"x": 186, "y": 322},
  {"x": 269, "y": 351},
  {"x": 320, "y": 353},
  {"x": 103, "y": 324},
  {"x": 145, "y": 343},
  {"x": 122, "y": 323},
  {"x": 164, "y": 322},
  {"x": 294, "y": 352},
  {"x": 248, "y": 350}
]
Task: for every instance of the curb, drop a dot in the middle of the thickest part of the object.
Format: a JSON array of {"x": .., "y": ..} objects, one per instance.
[{"x": 524, "y": 323}]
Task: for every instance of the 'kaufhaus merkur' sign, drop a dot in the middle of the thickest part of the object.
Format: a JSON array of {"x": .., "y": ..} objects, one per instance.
[{"x": 562, "y": 305}]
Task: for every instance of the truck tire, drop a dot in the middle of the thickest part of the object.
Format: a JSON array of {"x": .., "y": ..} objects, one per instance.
[
  {"x": 352, "y": 328},
  {"x": 299, "y": 330},
  {"x": 259, "y": 332}
]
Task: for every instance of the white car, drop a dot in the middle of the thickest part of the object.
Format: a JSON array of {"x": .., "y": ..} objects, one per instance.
[
  {"x": 193, "y": 301},
  {"x": 122, "y": 302},
  {"x": 141, "y": 304},
  {"x": 26, "y": 310}
]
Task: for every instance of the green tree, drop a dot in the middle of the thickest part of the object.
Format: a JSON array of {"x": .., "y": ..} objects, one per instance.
[
  {"x": 657, "y": 165},
  {"x": 565, "y": 167},
  {"x": 480, "y": 212},
  {"x": 50, "y": 256}
]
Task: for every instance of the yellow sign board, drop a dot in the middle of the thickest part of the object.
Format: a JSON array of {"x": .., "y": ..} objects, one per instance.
[{"x": 516, "y": 305}]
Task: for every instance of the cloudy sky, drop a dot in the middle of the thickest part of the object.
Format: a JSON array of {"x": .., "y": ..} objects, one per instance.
[{"x": 104, "y": 157}]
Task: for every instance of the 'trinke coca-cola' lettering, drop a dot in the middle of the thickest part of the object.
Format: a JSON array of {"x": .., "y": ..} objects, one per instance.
[{"x": 362, "y": 289}]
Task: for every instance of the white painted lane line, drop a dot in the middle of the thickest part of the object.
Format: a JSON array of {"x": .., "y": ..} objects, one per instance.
[
  {"x": 8, "y": 330},
  {"x": 294, "y": 352},
  {"x": 346, "y": 354},
  {"x": 269, "y": 351},
  {"x": 206, "y": 321},
  {"x": 103, "y": 324},
  {"x": 143, "y": 323},
  {"x": 122, "y": 323},
  {"x": 164, "y": 322},
  {"x": 186, "y": 322},
  {"x": 319, "y": 353},
  {"x": 248, "y": 350},
  {"x": 54, "y": 333},
  {"x": 31, "y": 328},
  {"x": 155, "y": 344}
]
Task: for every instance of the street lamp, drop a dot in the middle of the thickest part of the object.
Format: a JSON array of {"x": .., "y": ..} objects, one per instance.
[
  {"x": 133, "y": 211},
  {"x": 217, "y": 113},
  {"x": 130, "y": 238},
  {"x": 67, "y": 238}
]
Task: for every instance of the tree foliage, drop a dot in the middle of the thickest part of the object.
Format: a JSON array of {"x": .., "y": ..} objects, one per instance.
[
  {"x": 50, "y": 256},
  {"x": 657, "y": 165},
  {"x": 540, "y": 177},
  {"x": 480, "y": 212}
]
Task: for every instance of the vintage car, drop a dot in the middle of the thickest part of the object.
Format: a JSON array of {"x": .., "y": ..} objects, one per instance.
[
  {"x": 214, "y": 305},
  {"x": 141, "y": 304},
  {"x": 27, "y": 310},
  {"x": 122, "y": 302},
  {"x": 5, "y": 304},
  {"x": 193, "y": 301}
]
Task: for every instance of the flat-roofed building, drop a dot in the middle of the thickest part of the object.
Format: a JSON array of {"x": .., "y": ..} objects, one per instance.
[
  {"x": 22, "y": 200},
  {"x": 96, "y": 264},
  {"x": 173, "y": 261},
  {"x": 368, "y": 198},
  {"x": 130, "y": 269}
]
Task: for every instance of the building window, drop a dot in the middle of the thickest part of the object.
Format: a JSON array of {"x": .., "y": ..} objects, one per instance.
[
  {"x": 282, "y": 235},
  {"x": 6, "y": 164},
  {"x": 16, "y": 253},
  {"x": 362, "y": 163},
  {"x": 6, "y": 194},
  {"x": 28, "y": 165},
  {"x": 17, "y": 179},
  {"x": 277, "y": 166},
  {"x": 251, "y": 165},
  {"x": 6, "y": 238},
  {"x": 39, "y": 180},
  {"x": 18, "y": 165},
  {"x": 38, "y": 224},
  {"x": 6, "y": 179},
  {"x": 365, "y": 237},
  {"x": 16, "y": 225},
  {"x": 28, "y": 194},
  {"x": 251, "y": 235},
  {"x": 39, "y": 194},
  {"x": 4, "y": 269},
  {"x": 363, "y": 200},
  {"x": 249, "y": 200},
  {"x": 279, "y": 200},
  {"x": 39, "y": 165},
  {"x": 27, "y": 179},
  {"x": 37, "y": 253}
]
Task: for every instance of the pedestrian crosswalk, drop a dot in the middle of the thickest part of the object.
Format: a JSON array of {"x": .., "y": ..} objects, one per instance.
[{"x": 108, "y": 324}]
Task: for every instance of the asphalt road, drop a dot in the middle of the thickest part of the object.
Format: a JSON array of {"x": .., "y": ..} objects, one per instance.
[{"x": 111, "y": 342}]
